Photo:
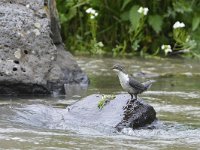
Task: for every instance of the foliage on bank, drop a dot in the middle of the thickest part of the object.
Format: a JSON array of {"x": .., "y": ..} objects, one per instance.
[{"x": 121, "y": 27}]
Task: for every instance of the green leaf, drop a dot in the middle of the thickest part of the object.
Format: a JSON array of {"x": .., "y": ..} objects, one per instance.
[
  {"x": 67, "y": 17},
  {"x": 126, "y": 2},
  {"x": 155, "y": 21},
  {"x": 63, "y": 18},
  {"x": 195, "y": 23},
  {"x": 134, "y": 17},
  {"x": 95, "y": 3},
  {"x": 180, "y": 35},
  {"x": 182, "y": 6},
  {"x": 125, "y": 16},
  {"x": 71, "y": 13}
]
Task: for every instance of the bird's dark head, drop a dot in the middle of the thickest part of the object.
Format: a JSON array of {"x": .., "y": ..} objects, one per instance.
[{"x": 118, "y": 68}]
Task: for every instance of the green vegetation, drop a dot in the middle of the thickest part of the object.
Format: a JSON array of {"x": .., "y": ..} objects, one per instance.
[
  {"x": 131, "y": 27},
  {"x": 105, "y": 100}
]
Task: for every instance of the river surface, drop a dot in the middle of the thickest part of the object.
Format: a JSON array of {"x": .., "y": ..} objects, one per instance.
[{"x": 34, "y": 123}]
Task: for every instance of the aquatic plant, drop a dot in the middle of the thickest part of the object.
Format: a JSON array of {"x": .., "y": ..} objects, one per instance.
[{"x": 105, "y": 100}]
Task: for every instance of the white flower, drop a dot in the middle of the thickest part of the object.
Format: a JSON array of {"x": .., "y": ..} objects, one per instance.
[
  {"x": 167, "y": 51},
  {"x": 166, "y": 48},
  {"x": 92, "y": 13},
  {"x": 143, "y": 10},
  {"x": 178, "y": 25},
  {"x": 100, "y": 44},
  {"x": 89, "y": 10},
  {"x": 140, "y": 10}
]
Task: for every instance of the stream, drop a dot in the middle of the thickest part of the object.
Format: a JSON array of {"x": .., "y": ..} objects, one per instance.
[{"x": 36, "y": 123}]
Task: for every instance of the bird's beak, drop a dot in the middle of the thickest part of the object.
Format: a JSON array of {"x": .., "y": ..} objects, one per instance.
[{"x": 114, "y": 69}]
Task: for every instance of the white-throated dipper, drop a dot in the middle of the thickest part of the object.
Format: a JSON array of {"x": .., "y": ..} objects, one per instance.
[{"x": 129, "y": 84}]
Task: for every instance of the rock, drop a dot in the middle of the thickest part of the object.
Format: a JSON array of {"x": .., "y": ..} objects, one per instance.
[
  {"x": 55, "y": 26},
  {"x": 84, "y": 115},
  {"x": 32, "y": 56},
  {"x": 136, "y": 115},
  {"x": 113, "y": 114}
]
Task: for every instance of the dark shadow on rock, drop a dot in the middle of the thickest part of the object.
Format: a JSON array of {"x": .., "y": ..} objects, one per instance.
[{"x": 15, "y": 89}]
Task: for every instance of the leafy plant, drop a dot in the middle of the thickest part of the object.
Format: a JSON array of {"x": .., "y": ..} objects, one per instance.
[
  {"x": 126, "y": 27},
  {"x": 105, "y": 100},
  {"x": 156, "y": 21}
]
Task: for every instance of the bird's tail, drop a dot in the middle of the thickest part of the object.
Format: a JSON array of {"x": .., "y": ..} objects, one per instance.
[{"x": 148, "y": 84}]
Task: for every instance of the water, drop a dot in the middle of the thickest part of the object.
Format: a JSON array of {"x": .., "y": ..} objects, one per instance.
[{"x": 37, "y": 123}]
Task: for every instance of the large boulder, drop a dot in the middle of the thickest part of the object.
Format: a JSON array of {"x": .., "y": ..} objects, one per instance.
[
  {"x": 32, "y": 56},
  {"x": 116, "y": 113},
  {"x": 85, "y": 114}
]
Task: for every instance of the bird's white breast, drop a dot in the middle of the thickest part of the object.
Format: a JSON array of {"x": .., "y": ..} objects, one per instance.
[{"x": 124, "y": 80}]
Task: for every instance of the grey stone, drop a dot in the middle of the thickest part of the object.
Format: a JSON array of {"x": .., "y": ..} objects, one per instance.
[
  {"x": 32, "y": 58},
  {"x": 85, "y": 114},
  {"x": 136, "y": 115}
]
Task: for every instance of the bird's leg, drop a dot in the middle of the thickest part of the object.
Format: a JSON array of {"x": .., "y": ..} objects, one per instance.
[
  {"x": 135, "y": 96},
  {"x": 128, "y": 102},
  {"x": 131, "y": 96},
  {"x": 133, "y": 99}
]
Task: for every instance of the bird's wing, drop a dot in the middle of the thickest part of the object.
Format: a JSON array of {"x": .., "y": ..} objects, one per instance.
[
  {"x": 148, "y": 84},
  {"x": 136, "y": 85}
]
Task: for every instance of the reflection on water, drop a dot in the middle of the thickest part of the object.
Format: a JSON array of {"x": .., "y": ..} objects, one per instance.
[{"x": 37, "y": 123}]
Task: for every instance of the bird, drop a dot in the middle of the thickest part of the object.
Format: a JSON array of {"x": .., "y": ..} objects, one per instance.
[{"x": 129, "y": 84}]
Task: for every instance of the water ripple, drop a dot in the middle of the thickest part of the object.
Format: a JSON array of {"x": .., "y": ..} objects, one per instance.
[{"x": 181, "y": 94}]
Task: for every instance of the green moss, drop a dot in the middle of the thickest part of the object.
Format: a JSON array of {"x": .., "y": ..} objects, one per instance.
[{"x": 105, "y": 100}]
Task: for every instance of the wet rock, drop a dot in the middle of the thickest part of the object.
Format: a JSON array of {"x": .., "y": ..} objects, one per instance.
[
  {"x": 32, "y": 56},
  {"x": 136, "y": 115}
]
